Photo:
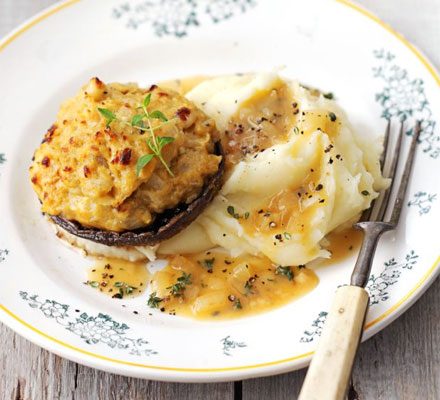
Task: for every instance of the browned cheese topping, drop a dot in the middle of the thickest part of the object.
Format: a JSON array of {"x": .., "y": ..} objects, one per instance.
[{"x": 85, "y": 168}]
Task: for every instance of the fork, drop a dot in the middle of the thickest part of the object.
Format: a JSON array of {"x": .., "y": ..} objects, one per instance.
[{"x": 331, "y": 366}]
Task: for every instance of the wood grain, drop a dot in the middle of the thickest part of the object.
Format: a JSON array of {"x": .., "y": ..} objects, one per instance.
[
  {"x": 402, "y": 362},
  {"x": 28, "y": 372},
  {"x": 329, "y": 372}
]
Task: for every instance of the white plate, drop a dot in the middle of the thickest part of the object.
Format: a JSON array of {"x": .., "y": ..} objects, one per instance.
[{"x": 333, "y": 45}]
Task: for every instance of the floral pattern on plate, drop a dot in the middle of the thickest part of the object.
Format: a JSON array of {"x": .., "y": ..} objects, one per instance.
[
  {"x": 92, "y": 329},
  {"x": 422, "y": 201},
  {"x": 3, "y": 254},
  {"x": 229, "y": 344},
  {"x": 177, "y": 17},
  {"x": 403, "y": 97},
  {"x": 378, "y": 287}
]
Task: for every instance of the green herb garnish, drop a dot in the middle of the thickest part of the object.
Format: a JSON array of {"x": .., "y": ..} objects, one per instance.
[
  {"x": 124, "y": 289},
  {"x": 142, "y": 162},
  {"x": 208, "y": 263},
  {"x": 287, "y": 235},
  {"x": 154, "y": 301},
  {"x": 329, "y": 95},
  {"x": 158, "y": 115},
  {"x": 237, "y": 304},
  {"x": 232, "y": 213},
  {"x": 286, "y": 271},
  {"x": 108, "y": 115},
  {"x": 137, "y": 122},
  {"x": 144, "y": 122},
  {"x": 365, "y": 192},
  {"x": 179, "y": 287},
  {"x": 249, "y": 286},
  {"x": 93, "y": 284},
  {"x": 155, "y": 143}
]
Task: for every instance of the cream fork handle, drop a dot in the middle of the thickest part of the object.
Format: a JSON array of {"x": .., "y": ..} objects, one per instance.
[{"x": 330, "y": 369}]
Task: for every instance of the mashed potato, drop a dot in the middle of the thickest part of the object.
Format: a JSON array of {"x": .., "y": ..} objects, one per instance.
[{"x": 285, "y": 189}]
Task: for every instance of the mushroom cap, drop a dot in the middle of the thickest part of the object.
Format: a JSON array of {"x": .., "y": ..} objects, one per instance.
[{"x": 165, "y": 225}]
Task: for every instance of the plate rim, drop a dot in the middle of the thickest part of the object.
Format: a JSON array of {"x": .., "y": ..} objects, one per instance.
[{"x": 181, "y": 374}]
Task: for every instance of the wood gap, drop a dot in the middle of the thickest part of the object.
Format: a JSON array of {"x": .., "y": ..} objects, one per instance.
[{"x": 238, "y": 390}]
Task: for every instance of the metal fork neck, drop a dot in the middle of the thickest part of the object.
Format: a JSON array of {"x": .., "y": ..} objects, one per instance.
[{"x": 372, "y": 232}]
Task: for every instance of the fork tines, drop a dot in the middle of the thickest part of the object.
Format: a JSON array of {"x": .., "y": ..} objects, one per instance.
[{"x": 378, "y": 210}]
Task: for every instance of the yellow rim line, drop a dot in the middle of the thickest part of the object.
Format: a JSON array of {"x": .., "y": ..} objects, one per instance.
[
  {"x": 399, "y": 36},
  {"x": 406, "y": 297},
  {"x": 35, "y": 21},
  {"x": 133, "y": 364},
  {"x": 370, "y": 324}
]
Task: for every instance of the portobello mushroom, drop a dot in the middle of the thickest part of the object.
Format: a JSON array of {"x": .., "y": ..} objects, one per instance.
[
  {"x": 126, "y": 166},
  {"x": 165, "y": 226}
]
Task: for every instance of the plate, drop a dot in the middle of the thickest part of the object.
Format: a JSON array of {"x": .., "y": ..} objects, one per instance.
[{"x": 334, "y": 45}]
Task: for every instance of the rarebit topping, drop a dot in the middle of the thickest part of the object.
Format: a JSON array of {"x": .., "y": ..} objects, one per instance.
[{"x": 117, "y": 155}]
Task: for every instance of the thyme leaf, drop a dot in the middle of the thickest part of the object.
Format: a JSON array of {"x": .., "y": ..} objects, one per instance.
[
  {"x": 156, "y": 114},
  {"x": 147, "y": 100},
  {"x": 237, "y": 304},
  {"x": 208, "y": 263},
  {"x": 154, "y": 301},
  {"x": 142, "y": 162},
  {"x": 286, "y": 271},
  {"x": 179, "y": 287},
  {"x": 124, "y": 289},
  {"x": 108, "y": 115},
  {"x": 136, "y": 121},
  {"x": 231, "y": 211}
]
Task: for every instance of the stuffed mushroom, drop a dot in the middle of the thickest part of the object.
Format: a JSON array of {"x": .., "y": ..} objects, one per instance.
[{"x": 125, "y": 166}]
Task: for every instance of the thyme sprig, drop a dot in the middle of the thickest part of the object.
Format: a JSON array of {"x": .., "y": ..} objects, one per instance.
[
  {"x": 179, "y": 287},
  {"x": 144, "y": 123}
]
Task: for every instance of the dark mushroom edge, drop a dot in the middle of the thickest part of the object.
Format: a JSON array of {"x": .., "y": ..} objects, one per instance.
[{"x": 166, "y": 225}]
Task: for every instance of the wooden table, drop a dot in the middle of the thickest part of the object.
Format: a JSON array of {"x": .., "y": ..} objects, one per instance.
[{"x": 401, "y": 362}]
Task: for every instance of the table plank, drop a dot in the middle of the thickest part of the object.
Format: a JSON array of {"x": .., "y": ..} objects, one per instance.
[
  {"x": 29, "y": 372},
  {"x": 401, "y": 362},
  {"x": 417, "y": 21},
  {"x": 14, "y": 12}
]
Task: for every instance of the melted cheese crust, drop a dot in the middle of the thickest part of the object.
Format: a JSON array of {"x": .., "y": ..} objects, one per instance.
[{"x": 85, "y": 171}]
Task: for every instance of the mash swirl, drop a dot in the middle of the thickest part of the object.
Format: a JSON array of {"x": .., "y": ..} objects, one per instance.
[{"x": 284, "y": 195}]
